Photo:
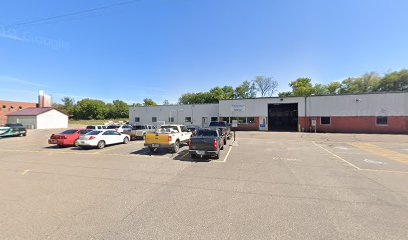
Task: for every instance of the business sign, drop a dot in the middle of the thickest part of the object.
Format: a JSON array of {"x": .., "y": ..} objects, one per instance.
[
  {"x": 314, "y": 123},
  {"x": 234, "y": 123},
  {"x": 237, "y": 108}
]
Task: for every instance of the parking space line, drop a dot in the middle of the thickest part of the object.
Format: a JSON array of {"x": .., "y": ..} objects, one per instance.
[
  {"x": 25, "y": 171},
  {"x": 226, "y": 156},
  {"x": 337, "y": 156},
  {"x": 382, "y": 170},
  {"x": 371, "y": 148}
]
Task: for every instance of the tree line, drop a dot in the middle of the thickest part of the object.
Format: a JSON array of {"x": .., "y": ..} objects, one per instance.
[
  {"x": 261, "y": 85},
  {"x": 86, "y": 109},
  {"x": 367, "y": 83}
]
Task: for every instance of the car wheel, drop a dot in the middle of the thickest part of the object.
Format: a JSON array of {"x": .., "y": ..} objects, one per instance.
[
  {"x": 193, "y": 156},
  {"x": 126, "y": 140},
  {"x": 176, "y": 146},
  {"x": 144, "y": 137},
  {"x": 76, "y": 143},
  {"x": 101, "y": 144},
  {"x": 217, "y": 156},
  {"x": 222, "y": 147}
]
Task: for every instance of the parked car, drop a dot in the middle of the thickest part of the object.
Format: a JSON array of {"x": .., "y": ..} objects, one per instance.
[
  {"x": 120, "y": 128},
  {"x": 169, "y": 137},
  {"x": 193, "y": 129},
  {"x": 102, "y": 138},
  {"x": 96, "y": 127},
  {"x": 207, "y": 142},
  {"x": 225, "y": 128},
  {"x": 68, "y": 137},
  {"x": 12, "y": 130},
  {"x": 140, "y": 131}
]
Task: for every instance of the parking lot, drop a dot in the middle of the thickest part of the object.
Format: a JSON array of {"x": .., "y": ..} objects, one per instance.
[{"x": 266, "y": 185}]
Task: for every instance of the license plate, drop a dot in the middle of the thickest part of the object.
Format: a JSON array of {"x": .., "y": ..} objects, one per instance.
[
  {"x": 53, "y": 141},
  {"x": 200, "y": 152},
  {"x": 81, "y": 142},
  {"x": 155, "y": 145}
]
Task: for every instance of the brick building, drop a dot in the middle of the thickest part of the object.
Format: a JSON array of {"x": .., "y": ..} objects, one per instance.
[{"x": 7, "y": 107}]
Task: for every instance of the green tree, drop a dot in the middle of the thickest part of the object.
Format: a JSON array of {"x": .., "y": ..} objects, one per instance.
[
  {"x": 333, "y": 88},
  {"x": 320, "y": 89},
  {"x": 121, "y": 109},
  {"x": 285, "y": 94},
  {"x": 228, "y": 92},
  {"x": 245, "y": 90},
  {"x": 217, "y": 94},
  {"x": 367, "y": 83},
  {"x": 149, "y": 102},
  {"x": 69, "y": 105},
  {"x": 90, "y": 109},
  {"x": 394, "y": 81},
  {"x": 302, "y": 87}
]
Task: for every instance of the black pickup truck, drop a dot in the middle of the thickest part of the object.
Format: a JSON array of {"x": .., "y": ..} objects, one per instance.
[
  {"x": 224, "y": 127},
  {"x": 207, "y": 142}
]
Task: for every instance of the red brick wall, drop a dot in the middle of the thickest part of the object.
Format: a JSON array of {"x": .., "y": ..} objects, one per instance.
[
  {"x": 9, "y": 109},
  {"x": 365, "y": 124},
  {"x": 246, "y": 127}
]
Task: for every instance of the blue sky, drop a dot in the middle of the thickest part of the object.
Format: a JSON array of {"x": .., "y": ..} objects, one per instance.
[{"x": 163, "y": 48}]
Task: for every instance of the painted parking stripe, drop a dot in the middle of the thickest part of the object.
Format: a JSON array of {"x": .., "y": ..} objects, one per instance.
[
  {"x": 337, "y": 156},
  {"x": 371, "y": 148},
  {"x": 226, "y": 157}
]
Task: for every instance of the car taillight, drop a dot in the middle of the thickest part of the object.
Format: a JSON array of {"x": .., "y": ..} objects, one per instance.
[
  {"x": 52, "y": 136},
  {"x": 91, "y": 137},
  {"x": 215, "y": 144},
  {"x": 190, "y": 142},
  {"x": 170, "y": 138},
  {"x": 223, "y": 132}
]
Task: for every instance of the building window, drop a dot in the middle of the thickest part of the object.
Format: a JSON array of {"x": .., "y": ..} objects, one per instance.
[
  {"x": 188, "y": 119},
  {"x": 20, "y": 107},
  {"x": 4, "y": 107},
  {"x": 382, "y": 121},
  {"x": 250, "y": 120},
  {"x": 11, "y": 107},
  {"x": 154, "y": 119},
  {"x": 171, "y": 119},
  {"x": 325, "y": 120},
  {"x": 214, "y": 119},
  {"x": 137, "y": 119}
]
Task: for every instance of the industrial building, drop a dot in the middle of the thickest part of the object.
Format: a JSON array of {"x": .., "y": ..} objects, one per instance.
[{"x": 352, "y": 113}]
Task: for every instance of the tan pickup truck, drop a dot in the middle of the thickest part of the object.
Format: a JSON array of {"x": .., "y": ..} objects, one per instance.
[
  {"x": 169, "y": 136},
  {"x": 140, "y": 131}
]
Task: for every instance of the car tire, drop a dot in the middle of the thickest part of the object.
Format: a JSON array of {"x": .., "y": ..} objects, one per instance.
[
  {"x": 101, "y": 144},
  {"x": 126, "y": 140},
  {"x": 194, "y": 156},
  {"x": 144, "y": 137},
  {"x": 76, "y": 143},
  {"x": 222, "y": 147},
  {"x": 176, "y": 147}
]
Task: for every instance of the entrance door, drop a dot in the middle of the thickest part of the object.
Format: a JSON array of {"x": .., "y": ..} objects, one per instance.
[
  {"x": 283, "y": 117},
  {"x": 204, "y": 122}
]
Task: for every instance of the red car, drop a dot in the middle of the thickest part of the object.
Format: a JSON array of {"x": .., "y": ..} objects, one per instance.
[{"x": 68, "y": 137}]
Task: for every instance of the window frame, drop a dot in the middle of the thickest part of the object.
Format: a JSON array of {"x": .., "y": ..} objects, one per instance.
[
  {"x": 381, "y": 124},
  {"x": 171, "y": 119},
  {"x": 187, "y": 119},
  {"x": 325, "y": 124},
  {"x": 137, "y": 119},
  {"x": 154, "y": 119}
]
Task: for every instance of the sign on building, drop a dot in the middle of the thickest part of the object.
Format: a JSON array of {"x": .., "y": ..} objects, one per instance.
[{"x": 237, "y": 108}]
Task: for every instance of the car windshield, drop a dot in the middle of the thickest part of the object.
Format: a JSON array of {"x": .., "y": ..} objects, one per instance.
[
  {"x": 138, "y": 127},
  {"x": 207, "y": 133},
  {"x": 13, "y": 125},
  {"x": 113, "y": 127},
  {"x": 169, "y": 128},
  {"x": 94, "y": 133},
  {"x": 218, "y": 124},
  {"x": 90, "y": 127},
  {"x": 70, "y": 131}
]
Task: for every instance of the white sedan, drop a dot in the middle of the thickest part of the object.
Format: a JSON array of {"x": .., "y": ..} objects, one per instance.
[{"x": 101, "y": 138}]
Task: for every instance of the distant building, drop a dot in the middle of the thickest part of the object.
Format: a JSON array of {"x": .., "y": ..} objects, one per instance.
[
  {"x": 351, "y": 113},
  {"x": 7, "y": 107},
  {"x": 39, "y": 118}
]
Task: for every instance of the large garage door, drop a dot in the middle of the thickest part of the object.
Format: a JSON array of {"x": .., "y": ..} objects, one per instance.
[{"x": 283, "y": 117}]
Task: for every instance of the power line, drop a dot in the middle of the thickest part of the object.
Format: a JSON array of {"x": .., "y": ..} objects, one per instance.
[{"x": 47, "y": 19}]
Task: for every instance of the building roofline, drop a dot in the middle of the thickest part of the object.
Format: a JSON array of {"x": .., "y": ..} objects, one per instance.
[
  {"x": 327, "y": 95},
  {"x": 174, "y": 105},
  {"x": 47, "y": 110}
]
